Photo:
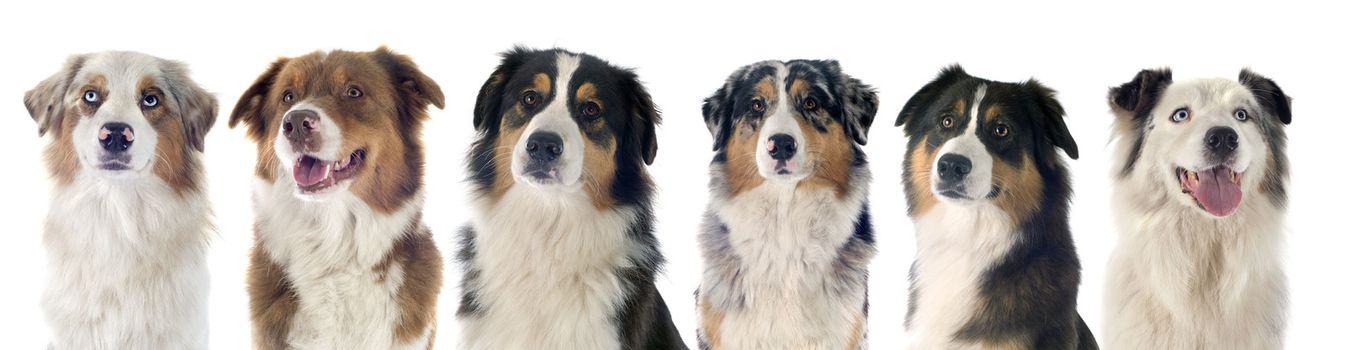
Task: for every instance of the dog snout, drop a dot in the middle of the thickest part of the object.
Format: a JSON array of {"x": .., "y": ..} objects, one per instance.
[
  {"x": 301, "y": 128},
  {"x": 545, "y": 146},
  {"x": 116, "y": 137},
  {"x": 1221, "y": 142},
  {"x": 953, "y": 168},
  {"x": 781, "y": 146}
]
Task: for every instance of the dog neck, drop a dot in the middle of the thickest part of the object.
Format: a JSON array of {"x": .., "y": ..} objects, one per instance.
[{"x": 342, "y": 229}]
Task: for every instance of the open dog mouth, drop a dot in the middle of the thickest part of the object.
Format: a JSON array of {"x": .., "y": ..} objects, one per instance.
[
  {"x": 1217, "y": 190},
  {"x": 314, "y": 175}
]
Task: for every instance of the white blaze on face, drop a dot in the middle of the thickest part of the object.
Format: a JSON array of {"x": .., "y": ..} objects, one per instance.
[
  {"x": 120, "y": 103},
  {"x": 977, "y": 184},
  {"x": 781, "y": 119},
  {"x": 555, "y": 118}
]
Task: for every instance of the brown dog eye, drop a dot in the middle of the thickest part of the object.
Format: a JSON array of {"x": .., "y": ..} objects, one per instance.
[
  {"x": 531, "y": 98},
  {"x": 947, "y": 121},
  {"x": 758, "y": 105},
  {"x": 1001, "y": 130},
  {"x": 590, "y": 109},
  {"x": 810, "y": 104},
  {"x": 354, "y": 92},
  {"x": 288, "y": 97}
]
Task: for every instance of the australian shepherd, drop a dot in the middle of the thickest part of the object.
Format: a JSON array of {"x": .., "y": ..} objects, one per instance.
[
  {"x": 127, "y": 230},
  {"x": 342, "y": 259},
  {"x": 786, "y": 237},
  {"x": 561, "y": 253},
  {"x": 995, "y": 264},
  {"x": 1199, "y": 197}
]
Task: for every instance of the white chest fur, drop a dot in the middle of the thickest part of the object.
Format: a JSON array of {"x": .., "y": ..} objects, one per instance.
[
  {"x": 548, "y": 266},
  {"x": 954, "y": 245},
  {"x": 126, "y": 262},
  {"x": 329, "y": 250},
  {"x": 1179, "y": 279},
  {"x": 788, "y": 241}
]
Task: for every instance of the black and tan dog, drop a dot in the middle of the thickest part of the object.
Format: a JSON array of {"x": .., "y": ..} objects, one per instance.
[
  {"x": 561, "y": 252},
  {"x": 787, "y": 237},
  {"x": 341, "y": 260},
  {"x": 995, "y": 264}
]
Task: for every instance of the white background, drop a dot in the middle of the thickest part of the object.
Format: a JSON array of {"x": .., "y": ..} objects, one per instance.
[{"x": 683, "y": 51}]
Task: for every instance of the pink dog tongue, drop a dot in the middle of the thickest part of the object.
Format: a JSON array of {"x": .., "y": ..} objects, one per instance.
[
  {"x": 309, "y": 171},
  {"x": 1217, "y": 192}
]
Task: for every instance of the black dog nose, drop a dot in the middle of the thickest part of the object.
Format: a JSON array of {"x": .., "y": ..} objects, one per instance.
[
  {"x": 781, "y": 146},
  {"x": 1221, "y": 141},
  {"x": 545, "y": 146},
  {"x": 953, "y": 167},
  {"x": 116, "y": 137}
]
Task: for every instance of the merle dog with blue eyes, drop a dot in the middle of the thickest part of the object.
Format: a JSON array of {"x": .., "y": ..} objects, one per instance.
[{"x": 989, "y": 193}]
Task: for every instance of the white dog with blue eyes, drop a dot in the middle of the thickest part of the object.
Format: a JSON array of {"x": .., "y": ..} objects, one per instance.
[
  {"x": 127, "y": 229},
  {"x": 1199, "y": 196}
]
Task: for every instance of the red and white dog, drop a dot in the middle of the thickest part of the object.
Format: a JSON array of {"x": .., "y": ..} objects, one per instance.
[
  {"x": 128, "y": 224},
  {"x": 342, "y": 259}
]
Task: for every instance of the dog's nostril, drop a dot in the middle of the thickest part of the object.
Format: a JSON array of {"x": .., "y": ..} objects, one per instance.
[
  {"x": 1222, "y": 139},
  {"x": 116, "y": 137},
  {"x": 953, "y": 167},
  {"x": 781, "y": 146},
  {"x": 545, "y": 146}
]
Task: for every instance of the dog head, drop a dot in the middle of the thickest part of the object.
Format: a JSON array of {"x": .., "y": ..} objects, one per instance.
[
  {"x": 123, "y": 115},
  {"x": 554, "y": 120},
  {"x": 974, "y": 141},
  {"x": 796, "y": 122},
  {"x": 340, "y": 122},
  {"x": 1208, "y": 141}
]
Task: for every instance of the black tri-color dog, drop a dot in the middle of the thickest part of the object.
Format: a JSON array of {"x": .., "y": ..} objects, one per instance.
[
  {"x": 561, "y": 252},
  {"x": 995, "y": 265},
  {"x": 786, "y": 237}
]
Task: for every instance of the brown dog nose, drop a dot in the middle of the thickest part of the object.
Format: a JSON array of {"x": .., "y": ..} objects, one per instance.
[{"x": 301, "y": 128}]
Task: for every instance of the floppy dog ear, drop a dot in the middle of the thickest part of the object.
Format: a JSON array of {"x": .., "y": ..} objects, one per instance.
[
  {"x": 46, "y": 101},
  {"x": 197, "y": 107},
  {"x": 646, "y": 118},
  {"x": 921, "y": 101},
  {"x": 1268, "y": 94},
  {"x": 252, "y": 103},
  {"x": 1057, "y": 132},
  {"x": 486, "y": 113},
  {"x": 1139, "y": 96},
  {"x": 717, "y": 111},
  {"x": 417, "y": 90},
  {"x": 859, "y": 104}
]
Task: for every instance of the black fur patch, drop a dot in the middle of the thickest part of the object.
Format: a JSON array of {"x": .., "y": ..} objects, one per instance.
[{"x": 1139, "y": 97}]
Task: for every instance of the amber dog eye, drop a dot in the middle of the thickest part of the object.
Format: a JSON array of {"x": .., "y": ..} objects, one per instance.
[
  {"x": 531, "y": 98},
  {"x": 1001, "y": 130},
  {"x": 810, "y": 104},
  {"x": 590, "y": 109},
  {"x": 758, "y": 105},
  {"x": 947, "y": 121},
  {"x": 354, "y": 92}
]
